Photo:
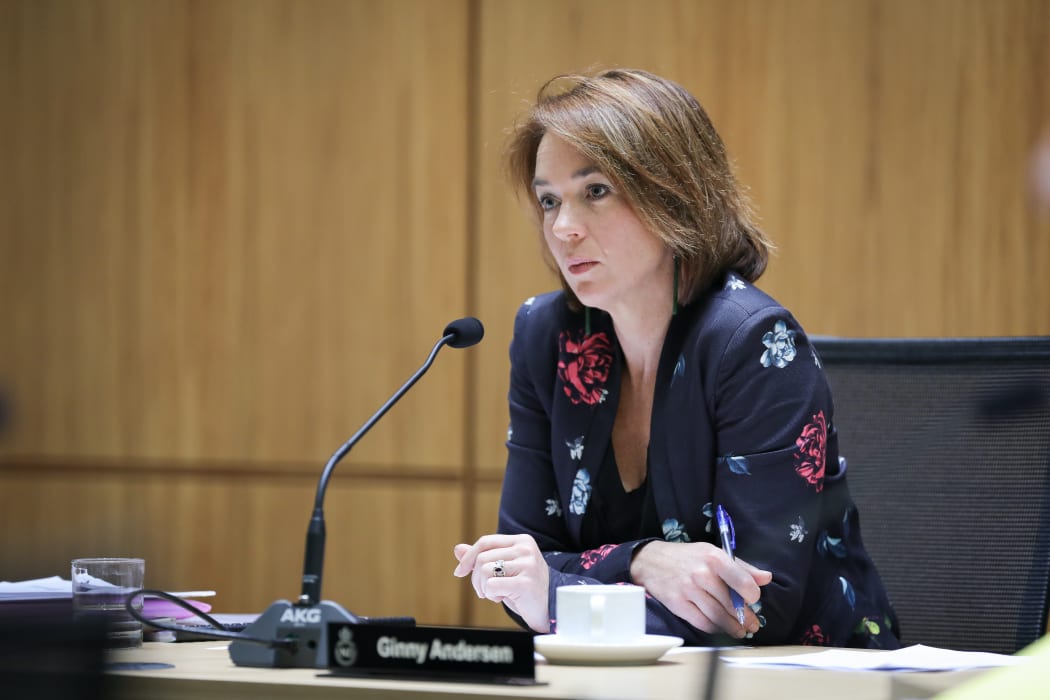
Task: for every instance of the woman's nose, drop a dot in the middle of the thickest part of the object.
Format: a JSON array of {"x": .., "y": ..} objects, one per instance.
[{"x": 567, "y": 224}]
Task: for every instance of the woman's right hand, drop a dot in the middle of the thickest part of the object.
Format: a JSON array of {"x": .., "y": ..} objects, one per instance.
[
  {"x": 508, "y": 569},
  {"x": 693, "y": 580}
]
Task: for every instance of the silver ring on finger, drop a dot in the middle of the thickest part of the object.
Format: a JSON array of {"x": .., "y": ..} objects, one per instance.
[{"x": 499, "y": 569}]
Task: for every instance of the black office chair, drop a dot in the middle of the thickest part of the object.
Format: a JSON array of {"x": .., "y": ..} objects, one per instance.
[{"x": 947, "y": 443}]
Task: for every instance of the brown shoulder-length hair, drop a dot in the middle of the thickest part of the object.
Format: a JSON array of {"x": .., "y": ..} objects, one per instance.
[{"x": 657, "y": 146}]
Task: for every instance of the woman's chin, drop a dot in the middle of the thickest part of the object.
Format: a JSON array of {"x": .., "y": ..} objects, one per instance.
[{"x": 586, "y": 294}]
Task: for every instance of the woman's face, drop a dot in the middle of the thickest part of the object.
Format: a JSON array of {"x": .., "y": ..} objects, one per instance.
[{"x": 604, "y": 252}]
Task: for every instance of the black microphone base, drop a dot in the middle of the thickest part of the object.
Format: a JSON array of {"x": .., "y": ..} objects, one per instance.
[{"x": 306, "y": 624}]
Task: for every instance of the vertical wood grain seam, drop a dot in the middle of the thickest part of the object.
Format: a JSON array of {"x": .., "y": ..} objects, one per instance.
[{"x": 472, "y": 71}]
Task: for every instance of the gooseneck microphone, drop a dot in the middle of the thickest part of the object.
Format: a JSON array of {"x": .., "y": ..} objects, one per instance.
[
  {"x": 306, "y": 621},
  {"x": 459, "y": 334}
]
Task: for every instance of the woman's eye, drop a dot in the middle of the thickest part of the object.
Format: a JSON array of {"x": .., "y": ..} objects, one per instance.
[
  {"x": 597, "y": 190},
  {"x": 548, "y": 202}
]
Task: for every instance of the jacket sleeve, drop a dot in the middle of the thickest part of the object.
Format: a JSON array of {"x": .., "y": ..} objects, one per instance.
[{"x": 772, "y": 409}]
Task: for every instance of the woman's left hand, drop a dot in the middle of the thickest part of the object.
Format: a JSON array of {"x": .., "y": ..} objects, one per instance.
[{"x": 508, "y": 569}]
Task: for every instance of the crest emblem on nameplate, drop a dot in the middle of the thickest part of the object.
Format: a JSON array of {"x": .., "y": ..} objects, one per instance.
[{"x": 344, "y": 652}]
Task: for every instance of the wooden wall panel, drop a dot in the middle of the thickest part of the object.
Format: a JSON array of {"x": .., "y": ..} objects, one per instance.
[
  {"x": 231, "y": 236},
  {"x": 886, "y": 144}
]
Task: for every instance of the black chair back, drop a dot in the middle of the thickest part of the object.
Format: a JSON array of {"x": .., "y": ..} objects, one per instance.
[{"x": 947, "y": 443}]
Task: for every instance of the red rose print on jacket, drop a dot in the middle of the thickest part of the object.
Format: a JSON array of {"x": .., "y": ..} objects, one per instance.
[
  {"x": 593, "y": 556},
  {"x": 814, "y": 636},
  {"x": 812, "y": 445},
  {"x": 583, "y": 366}
]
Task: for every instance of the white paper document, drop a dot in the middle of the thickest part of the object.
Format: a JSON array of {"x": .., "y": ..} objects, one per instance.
[
  {"x": 51, "y": 587},
  {"x": 58, "y": 587},
  {"x": 917, "y": 657}
]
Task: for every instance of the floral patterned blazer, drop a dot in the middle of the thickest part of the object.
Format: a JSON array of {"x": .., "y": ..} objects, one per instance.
[{"x": 742, "y": 417}]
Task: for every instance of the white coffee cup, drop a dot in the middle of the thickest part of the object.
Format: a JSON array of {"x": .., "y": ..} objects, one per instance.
[{"x": 601, "y": 614}]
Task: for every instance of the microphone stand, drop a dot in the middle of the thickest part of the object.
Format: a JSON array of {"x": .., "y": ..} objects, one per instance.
[{"x": 306, "y": 621}]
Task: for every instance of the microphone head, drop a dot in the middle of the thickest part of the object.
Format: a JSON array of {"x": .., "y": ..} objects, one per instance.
[{"x": 465, "y": 332}]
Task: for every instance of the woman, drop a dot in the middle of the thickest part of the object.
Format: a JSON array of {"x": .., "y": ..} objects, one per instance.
[{"x": 660, "y": 384}]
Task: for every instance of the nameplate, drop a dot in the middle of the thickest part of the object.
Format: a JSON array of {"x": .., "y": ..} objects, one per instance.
[{"x": 431, "y": 653}]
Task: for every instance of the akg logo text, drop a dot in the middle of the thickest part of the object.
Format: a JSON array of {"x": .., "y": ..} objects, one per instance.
[{"x": 301, "y": 616}]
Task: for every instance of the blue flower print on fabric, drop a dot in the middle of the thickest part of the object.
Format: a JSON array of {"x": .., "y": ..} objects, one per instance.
[
  {"x": 679, "y": 369},
  {"x": 709, "y": 512},
  {"x": 674, "y": 531},
  {"x": 847, "y": 592},
  {"x": 828, "y": 546},
  {"x": 799, "y": 531},
  {"x": 780, "y": 346},
  {"x": 737, "y": 465},
  {"x": 581, "y": 493},
  {"x": 575, "y": 448},
  {"x": 553, "y": 508},
  {"x": 734, "y": 283}
]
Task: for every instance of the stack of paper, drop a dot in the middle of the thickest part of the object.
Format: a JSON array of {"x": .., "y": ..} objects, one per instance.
[{"x": 917, "y": 657}]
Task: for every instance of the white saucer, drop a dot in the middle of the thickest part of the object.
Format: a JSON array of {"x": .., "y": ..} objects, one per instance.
[{"x": 645, "y": 650}]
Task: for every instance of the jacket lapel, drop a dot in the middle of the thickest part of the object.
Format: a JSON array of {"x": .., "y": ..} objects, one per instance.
[
  {"x": 587, "y": 390},
  {"x": 674, "y": 474}
]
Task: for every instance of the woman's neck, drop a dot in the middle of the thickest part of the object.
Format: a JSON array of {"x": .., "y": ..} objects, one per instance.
[{"x": 641, "y": 339}]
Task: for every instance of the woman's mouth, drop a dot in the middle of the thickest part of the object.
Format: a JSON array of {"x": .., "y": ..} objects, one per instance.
[{"x": 578, "y": 268}]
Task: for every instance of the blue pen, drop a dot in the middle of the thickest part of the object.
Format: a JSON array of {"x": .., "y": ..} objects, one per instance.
[{"x": 725, "y": 529}]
